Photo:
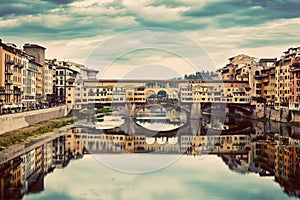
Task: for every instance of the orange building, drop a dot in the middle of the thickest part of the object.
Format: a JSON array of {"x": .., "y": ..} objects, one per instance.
[{"x": 11, "y": 76}]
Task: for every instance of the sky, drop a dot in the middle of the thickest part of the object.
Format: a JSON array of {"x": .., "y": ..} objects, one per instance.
[{"x": 123, "y": 38}]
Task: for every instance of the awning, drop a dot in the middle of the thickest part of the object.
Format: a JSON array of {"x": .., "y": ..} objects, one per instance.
[
  {"x": 14, "y": 106},
  {"x": 28, "y": 100},
  {"x": 6, "y": 106}
]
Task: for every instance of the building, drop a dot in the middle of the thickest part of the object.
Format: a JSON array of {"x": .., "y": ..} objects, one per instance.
[
  {"x": 238, "y": 68},
  {"x": 295, "y": 81},
  {"x": 264, "y": 81},
  {"x": 38, "y": 52},
  {"x": 11, "y": 77},
  {"x": 30, "y": 71},
  {"x": 65, "y": 72},
  {"x": 49, "y": 74}
]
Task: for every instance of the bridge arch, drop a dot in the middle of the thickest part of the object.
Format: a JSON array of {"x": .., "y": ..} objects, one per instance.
[
  {"x": 162, "y": 94},
  {"x": 151, "y": 94}
]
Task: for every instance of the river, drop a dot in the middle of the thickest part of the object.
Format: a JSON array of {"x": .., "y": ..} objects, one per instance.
[{"x": 247, "y": 159}]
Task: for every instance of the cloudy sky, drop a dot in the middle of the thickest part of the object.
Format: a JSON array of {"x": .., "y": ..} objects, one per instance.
[{"x": 83, "y": 31}]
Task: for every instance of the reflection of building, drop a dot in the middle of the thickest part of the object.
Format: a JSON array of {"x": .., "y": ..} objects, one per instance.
[
  {"x": 280, "y": 156},
  {"x": 162, "y": 145},
  {"x": 28, "y": 170},
  {"x": 221, "y": 144},
  {"x": 73, "y": 144},
  {"x": 97, "y": 143},
  {"x": 25, "y": 173},
  {"x": 48, "y": 157},
  {"x": 11, "y": 179},
  {"x": 59, "y": 157}
]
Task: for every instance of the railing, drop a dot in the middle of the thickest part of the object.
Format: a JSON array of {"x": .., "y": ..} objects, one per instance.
[
  {"x": 11, "y": 62},
  {"x": 9, "y": 91},
  {"x": 8, "y": 81},
  {"x": 19, "y": 65},
  {"x": 8, "y": 71},
  {"x": 17, "y": 92}
]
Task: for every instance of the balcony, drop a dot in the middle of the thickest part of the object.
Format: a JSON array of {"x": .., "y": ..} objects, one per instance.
[
  {"x": 271, "y": 73},
  {"x": 8, "y": 82},
  {"x": 9, "y": 92},
  {"x": 2, "y": 90},
  {"x": 19, "y": 65},
  {"x": 17, "y": 92},
  {"x": 10, "y": 72},
  {"x": 257, "y": 76},
  {"x": 265, "y": 80},
  {"x": 10, "y": 62}
]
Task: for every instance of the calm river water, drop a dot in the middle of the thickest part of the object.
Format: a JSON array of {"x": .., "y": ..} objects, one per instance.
[{"x": 245, "y": 160}]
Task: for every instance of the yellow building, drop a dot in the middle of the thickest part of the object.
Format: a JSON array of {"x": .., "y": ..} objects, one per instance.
[
  {"x": 238, "y": 68},
  {"x": 265, "y": 81},
  {"x": 44, "y": 76},
  {"x": 221, "y": 91},
  {"x": 11, "y": 179},
  {"x": 73, "y": 143},
  {"x": 129, "y": 143},
  {"x": 11, "y": 77},
  {"x": 282, "y": 83},
  {"x": 70, "y": 93},
  {"x": 295, "y": 84}
]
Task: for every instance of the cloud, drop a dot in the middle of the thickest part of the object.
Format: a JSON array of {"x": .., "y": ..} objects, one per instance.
[
  {"x": 245, "y": 12},
  {"x": 223, "y": 27}
]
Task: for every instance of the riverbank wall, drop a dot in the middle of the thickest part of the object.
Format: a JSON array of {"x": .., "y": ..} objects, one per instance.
[
  {"x": 15, "y": 121},
  {"x": 19, "y": 149},
  {"x": 282, "y": 115}
]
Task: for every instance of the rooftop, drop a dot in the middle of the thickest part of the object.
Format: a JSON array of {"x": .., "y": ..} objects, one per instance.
[{"x": 33, "y": 46}]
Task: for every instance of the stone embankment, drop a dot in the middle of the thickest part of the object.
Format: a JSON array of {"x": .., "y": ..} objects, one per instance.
[
  {"x": 19, "y": 149},
  {"x": 282, "y": 115},
  {"x": 16, "y": 121}
]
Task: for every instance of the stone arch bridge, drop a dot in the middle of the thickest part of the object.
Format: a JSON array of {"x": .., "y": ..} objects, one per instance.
[{"x": 195, "y": 110}]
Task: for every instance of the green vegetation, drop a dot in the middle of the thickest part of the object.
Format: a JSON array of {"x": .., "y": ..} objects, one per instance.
[
  {"x": 24, "y": 134},
  {"x": 104, "y": 110},
  {"x": 89, "y": 112}
]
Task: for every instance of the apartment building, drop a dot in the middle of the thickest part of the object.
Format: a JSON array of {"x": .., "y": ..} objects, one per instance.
[
  {"x": 264, "y": 81},
  {"x": 49, "y": 74},
  {"x": 286, "y": 77},
  {"x": 11, "y": 77},
  {"x": 38, "y": 52},
  {"x": 227, "y": 91},
  {"x": 65, "y": 72},
  {"x": 30, "y": 71},
  {"x": 238, "y": 68},
  {"x": 295, "y": 80}
]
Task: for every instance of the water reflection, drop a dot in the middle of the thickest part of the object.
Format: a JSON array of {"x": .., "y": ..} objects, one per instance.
[
  {"x": 161, "y": 117},
  {"x": 270, "y": 149}
]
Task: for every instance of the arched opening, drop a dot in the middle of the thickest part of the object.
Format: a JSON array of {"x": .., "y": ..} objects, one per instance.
[
  {"x": 150, "y": 94},
  {"x": 162, "y": 94}
]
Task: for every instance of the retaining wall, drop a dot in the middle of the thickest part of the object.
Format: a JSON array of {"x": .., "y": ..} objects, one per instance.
[{"x": 10, "y": 122}]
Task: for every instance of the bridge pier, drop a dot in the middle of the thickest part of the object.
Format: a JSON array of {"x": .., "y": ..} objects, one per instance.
[{"x": 196, "y": 112}]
